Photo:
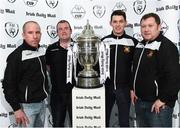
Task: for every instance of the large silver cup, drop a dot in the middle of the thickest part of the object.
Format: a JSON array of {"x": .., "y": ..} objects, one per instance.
[{"x": 88, "y": 55}]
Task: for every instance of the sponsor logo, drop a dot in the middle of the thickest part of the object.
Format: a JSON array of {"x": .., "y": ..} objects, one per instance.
[
  {"x": 139, "y": 6},
  {"x": 120, "y": 6},
  {"x": 52, "y": 3},
  {"x": 2, "y": 11},
  {"x": 138, "y": 36},
  {"x": 51, "y": 31},
  {"x": 11, "y": 29},
  {"x": 99, "y": 11},
  {"x": 164, "y": 27},
  {"x": 78, "y": 12},
  {"x": 30, "y": 3},
  {"x": 4, "y": 115},
  {"x": 2, "y": 46},
  {"x": 11, "y": 1},
  {"x": 11, "y": 11}
]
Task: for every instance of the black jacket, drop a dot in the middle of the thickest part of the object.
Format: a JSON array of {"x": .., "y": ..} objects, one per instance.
[
  {"x": 56, "y": 59},
  {"x": 121, "y": 55},
  {"x": 25, "y": 78},
  {"x": 156, "y": 70}
]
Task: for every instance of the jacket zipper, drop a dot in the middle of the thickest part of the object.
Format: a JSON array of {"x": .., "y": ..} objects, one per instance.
[
  {"x": 157, "y": 91},
  {"x": 43, "y": 76},
  {"x": 135, "y": 76},
  {"x": 115, "y": 66},
  {"x": 26, "y": 94}
]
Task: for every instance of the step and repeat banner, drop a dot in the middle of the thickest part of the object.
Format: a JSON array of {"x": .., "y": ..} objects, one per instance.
[{"x": 13, "y": 14}]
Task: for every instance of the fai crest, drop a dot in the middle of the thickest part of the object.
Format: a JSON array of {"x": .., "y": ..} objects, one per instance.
[
  {"x": 52, "y": 3},
  {"x": 120, "y": 6},
  {"x": 138, "y": 36},
  {"x": 139, "y": 6},
  {"x": 11, "y": 1},
  {"x": 99, "y": 11},
  {"x": 75, "y": 36},
  {"x": 11, "y": 29},
  {"x": 30, "y": 3},
  {"x": 164, "y": 27},
  {"x": 51, "y": 31},
  {"x": 78, "y": 12}
]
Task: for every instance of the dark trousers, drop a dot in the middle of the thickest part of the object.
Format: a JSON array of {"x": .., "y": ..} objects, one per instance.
[
  {"x": 122, "y": 97},
  {"x": 60, "y": 103}
]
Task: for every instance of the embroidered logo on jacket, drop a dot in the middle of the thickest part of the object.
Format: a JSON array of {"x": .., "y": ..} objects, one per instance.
[{"x": 126, "y": 49}]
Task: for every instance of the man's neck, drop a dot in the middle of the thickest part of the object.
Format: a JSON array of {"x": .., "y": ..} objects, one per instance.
[{"x": 64, "y": 43}]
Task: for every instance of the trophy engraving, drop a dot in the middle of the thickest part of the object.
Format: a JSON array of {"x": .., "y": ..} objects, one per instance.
[{"x": 88, "y": 55}]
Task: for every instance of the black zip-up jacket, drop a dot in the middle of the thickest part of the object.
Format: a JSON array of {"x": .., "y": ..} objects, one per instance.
[
  {"x": 25, "y": 78},
  {"x": 156, "y": 71},
  {"x": 121, "y": 55},
  {"x": 56, "y": 58}
]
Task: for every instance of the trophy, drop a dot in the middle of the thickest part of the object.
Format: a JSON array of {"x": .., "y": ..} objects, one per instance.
[{"x": 88, "y": 55}]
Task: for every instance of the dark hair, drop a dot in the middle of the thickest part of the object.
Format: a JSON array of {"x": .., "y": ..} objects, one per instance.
[
  {"x": 119, "y": 13},
  {"x": 63, "y": 21},
  {"x": 24, "y": 25},
  {"x": 155, "y": 16}
]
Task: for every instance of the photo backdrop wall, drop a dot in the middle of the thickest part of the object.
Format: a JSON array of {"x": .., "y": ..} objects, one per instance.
[{"x": 13, "y": 14}]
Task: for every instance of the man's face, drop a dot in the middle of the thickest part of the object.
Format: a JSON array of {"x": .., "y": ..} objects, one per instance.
[
  {"x": 64, "y": 31},
  {"x": 32, "y": 34},
  {"x": 149, "y": 29},
  {"x": 118, "y": 24}
]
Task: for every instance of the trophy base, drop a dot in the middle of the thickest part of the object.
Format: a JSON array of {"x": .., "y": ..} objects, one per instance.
[{"x": 88, "y": 82}]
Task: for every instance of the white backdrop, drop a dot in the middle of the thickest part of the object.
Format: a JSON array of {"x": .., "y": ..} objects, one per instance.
[{"x": 13, "y": 13}]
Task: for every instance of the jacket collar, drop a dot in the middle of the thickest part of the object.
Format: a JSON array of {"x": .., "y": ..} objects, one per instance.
[
  {"x": 71, "y": 43},
  {"x": 118, "y": 37}
]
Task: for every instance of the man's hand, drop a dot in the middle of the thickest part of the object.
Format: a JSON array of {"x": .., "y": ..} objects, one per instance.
[
  {"x": 158, "y": 104},
  {"x": 21, "y": 118},
  {"x": 133, "y": 97}
]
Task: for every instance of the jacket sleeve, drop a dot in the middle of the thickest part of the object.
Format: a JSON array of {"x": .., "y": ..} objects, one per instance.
[
  {"x": 170, "y": 73},
  {"x": 10, "y": 82}
]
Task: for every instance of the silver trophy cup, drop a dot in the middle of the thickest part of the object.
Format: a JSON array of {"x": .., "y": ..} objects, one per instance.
[{"x": 88, "y": 55}]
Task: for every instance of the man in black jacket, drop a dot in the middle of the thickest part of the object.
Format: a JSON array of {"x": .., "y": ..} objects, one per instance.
[
  {"x": 25, "y": 82},
  {"x": 156, "y": 74},
  {"x": 119, "y": 53},
  {"x": 59, "y": 60}
]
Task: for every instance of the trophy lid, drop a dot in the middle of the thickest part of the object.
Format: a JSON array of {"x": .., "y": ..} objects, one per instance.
[{"x": 87, "y": 34}]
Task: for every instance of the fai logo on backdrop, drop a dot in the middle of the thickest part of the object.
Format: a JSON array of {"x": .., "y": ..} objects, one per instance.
[
  {"x": 139, "y": 6},
  {"x": 164, "y": 27},
  {"x": 52, "y": 3},
  {"x": 11, "y": 29},
  {"x": 30, "y": 3},
  {"x": 99, "y": 11},
  {"x": 75, "y": 36},
  {"x": 51, "y": 31},
  {"x": 120, "y": 6},
  {"x": 138, "y": 36},
  {"x": 78, "y": 12},
  {"x": 11, "y": 1}
]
